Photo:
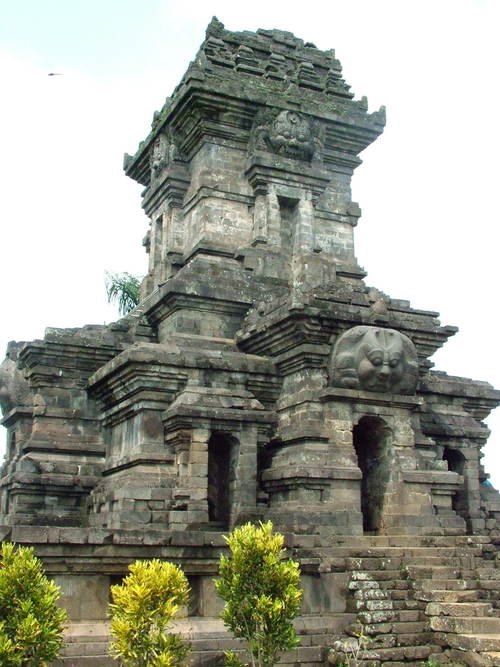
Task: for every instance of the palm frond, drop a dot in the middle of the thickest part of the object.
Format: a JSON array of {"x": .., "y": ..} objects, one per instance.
[{"x": 123, "y": 290}]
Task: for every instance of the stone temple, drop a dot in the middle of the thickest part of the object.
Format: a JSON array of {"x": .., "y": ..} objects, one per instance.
[{"x": 259, "y": 378}]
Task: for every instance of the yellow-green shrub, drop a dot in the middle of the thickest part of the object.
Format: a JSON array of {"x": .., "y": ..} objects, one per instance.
[
  {"x": 261, "y": 594},
  {"x": 31, "y": 623},
  {"x": 142, "y": 609}
]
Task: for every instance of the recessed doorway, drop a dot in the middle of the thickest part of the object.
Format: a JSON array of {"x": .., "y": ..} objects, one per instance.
[{"x": 370, "y": 443}]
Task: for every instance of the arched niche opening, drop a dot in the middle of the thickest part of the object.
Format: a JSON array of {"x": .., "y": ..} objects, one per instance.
[
  {"x": 222, "y": 449},
  {"x": 370, "y": 443},
  {"x": 455, "y": 461}
]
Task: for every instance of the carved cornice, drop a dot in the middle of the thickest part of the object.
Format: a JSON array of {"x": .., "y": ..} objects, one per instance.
[
  {"x": 150, "y": 377},
  {"x": 301, "y": 357},
  {"x": 237, "y": 75},
  {"x": 66, "y": 351},
  {"x": 216, "y": 409},
  {"x": 367, "y": 398},
  {"x": 133, "y": 377},
  {"x": 265, "y": 168},
  {"x": 17, "y": 414},
  {"x": 476, "y": 398},
  {"x": 170, "y": 187},
  {"x": 306, "y": 475},
  {"x": 328, "y": 311}
]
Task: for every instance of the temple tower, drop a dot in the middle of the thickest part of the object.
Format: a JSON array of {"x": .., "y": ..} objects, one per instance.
[{"x": 259, "y": 377}]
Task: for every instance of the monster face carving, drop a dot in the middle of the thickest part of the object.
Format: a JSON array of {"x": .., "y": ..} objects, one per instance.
[
  {"x": 374, "y": 359},
  {"x": 379, "y": 362},
  {"x": 162, "y": 154},
  {"x": 291, "y": 135},
  {"x": 14, "y": 389},
  {"x": 159, "y": 156}
]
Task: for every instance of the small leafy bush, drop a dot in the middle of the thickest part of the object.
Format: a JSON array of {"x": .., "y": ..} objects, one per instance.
[
  {"x": 142, "y": 609},
  {"x": 261, "y": 594},
  {"x": 31, "y": 623}
]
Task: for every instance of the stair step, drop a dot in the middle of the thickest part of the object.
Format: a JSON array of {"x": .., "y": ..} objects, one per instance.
[
  {"x": 411, "y": 541},
  {"x": 466, "y": 625},
  {"x": 374, "y": 575},
  {"x": 443, "y": 592},
  {"x": 447, "y": 596},
  {"x": 491, "y": 573},
  {"x": 83, "y": 661},
  {"x": 88, "y": 649},
  {"x": 474, "y": 642},
  {"x": 371, "y": 594},
  {"x": 435, "y": 560},
  {"x": 459, "y": 609},
  {"x": 396, "y": 654},
  {"x": 355, "y": 606},
  {"x": 419, "y": 572},
  {"x": 489, "y": 584},
  {"x": 445, "y": 585},
  {"x": 86, "y": 632},
  {"x": 493, "y": 658}
]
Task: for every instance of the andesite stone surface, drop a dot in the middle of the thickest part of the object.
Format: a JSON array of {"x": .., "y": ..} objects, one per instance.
[{"x": 259, "y": 378}]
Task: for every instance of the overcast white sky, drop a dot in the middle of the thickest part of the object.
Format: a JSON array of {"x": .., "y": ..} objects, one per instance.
[{"x": 428, "y": 186}]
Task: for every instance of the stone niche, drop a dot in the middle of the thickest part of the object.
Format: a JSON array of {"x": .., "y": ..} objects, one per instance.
[{"x": 258, "y": 378}]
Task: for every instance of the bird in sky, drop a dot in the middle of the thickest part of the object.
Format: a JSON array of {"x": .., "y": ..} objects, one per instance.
[{"x": 55, "y": 74}]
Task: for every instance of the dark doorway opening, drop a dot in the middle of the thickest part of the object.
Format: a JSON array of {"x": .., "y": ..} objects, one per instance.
[
  {"x": 288, "y": 211},
  {"x": 219, "y": 479},
  {"x": 369, "y": 439},
  {"x": 455, "y": 461}
]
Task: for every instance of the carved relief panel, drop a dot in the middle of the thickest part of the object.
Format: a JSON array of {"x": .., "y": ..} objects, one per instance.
[
  {"x": 162, "y": 154},
  {"x": 374, "y": 359},
  {"x": 289, "y": 134}
]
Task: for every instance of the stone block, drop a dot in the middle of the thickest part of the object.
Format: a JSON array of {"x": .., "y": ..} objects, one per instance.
[
  {"x": 462, "y": 608},
  {"x": 378, "y": 605},
  {"x": 382, "y": 641},
  {"x": 309, "y": 654},
  {"x": 72, "y": 536},
  {"x": 474, "y": 643},
  {"x": 417, "y": 652},
  {"x": 197, "y": 517},
  {"x": 29, "y": 534},
  {"x": 372, "y": 617},
  {"x": 466, "y": 625}
]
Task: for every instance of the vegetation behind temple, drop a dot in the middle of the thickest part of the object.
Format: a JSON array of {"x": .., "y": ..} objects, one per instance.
[{"x": 122, "y": 290}]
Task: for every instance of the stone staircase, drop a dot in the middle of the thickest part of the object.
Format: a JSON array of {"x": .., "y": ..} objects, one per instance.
[
  {"x": 410, "y": 601},
  {"x": 86, "y": 645},
  {"x": 459, "y": 605},
  {"x": 433, "y": 600}
]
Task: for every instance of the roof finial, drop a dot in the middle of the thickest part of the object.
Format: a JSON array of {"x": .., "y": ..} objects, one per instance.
[{"x": 214, "y": 28}]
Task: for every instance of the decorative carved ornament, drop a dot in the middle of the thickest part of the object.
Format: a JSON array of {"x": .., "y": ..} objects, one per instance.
[
  {"x": 289, "y": 134},
  {"x": 374, "y": 359},
  {"x": 162, "y": 154},
  {"x": 14, "y": 389}
]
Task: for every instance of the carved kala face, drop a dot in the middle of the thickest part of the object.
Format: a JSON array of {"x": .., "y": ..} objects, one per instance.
[
  {"x": 6, "y": 371},
  {"x": 291, "y": 134},
  {"x": 374, "y": 359},
  {"x": 159, "y": 156},
  {"x": 379, "y": 362}
]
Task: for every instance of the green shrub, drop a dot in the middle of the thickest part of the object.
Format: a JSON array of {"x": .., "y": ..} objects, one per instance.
[
  {"x": 143, "y": 607},
  {"x": 31, "y": 623},
  {"x": 261, "y": 594}
]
